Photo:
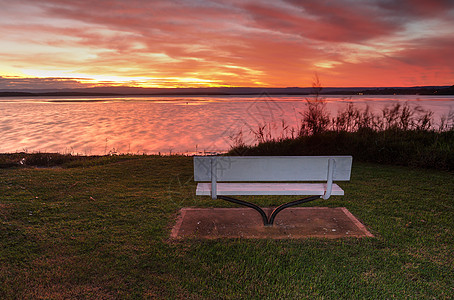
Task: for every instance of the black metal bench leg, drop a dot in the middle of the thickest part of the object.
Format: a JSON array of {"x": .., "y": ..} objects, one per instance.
[
  {"x": 269, "y": 221},
  {"x": 289, "y": 204},
  {"x": 248, "y": 204}
]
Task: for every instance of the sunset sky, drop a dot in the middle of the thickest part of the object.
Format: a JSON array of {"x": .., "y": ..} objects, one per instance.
[{"x": 199, "y": 43}]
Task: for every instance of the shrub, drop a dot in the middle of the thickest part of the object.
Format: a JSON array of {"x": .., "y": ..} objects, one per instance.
[{"x": 400, "y": 135}]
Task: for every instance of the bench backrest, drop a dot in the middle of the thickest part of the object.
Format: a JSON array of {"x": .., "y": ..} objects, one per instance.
[{"x": 271, "y": 168}]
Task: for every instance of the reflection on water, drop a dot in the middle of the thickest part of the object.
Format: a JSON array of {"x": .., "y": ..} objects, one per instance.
[{"x": 99, "y": 125}]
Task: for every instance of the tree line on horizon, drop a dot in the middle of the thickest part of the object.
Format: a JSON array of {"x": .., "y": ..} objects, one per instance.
[{"x": 117, "y": 91}]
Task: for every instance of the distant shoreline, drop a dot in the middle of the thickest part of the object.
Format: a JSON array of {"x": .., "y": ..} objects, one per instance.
[{"x": 228, "y": 91}]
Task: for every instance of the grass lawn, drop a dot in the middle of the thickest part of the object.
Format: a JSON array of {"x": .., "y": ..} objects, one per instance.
[{"x": 100, "y": 230}]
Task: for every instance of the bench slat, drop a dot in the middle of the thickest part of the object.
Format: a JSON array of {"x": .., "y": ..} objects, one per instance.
[
  {"x": 232, "y": 189},
  {"x": 271, "y": 168}
]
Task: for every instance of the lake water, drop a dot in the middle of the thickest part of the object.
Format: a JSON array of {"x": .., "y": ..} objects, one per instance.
[{"x": 170, "y": 124}]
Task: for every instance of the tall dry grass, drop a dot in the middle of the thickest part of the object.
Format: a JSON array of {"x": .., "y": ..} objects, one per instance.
[{"x": 399, "y": 134}]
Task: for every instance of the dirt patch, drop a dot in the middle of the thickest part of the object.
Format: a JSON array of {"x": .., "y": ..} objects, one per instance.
[{"x": 292, "y": 223}]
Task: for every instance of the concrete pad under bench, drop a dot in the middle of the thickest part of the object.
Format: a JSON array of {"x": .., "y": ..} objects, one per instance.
[{"x": 292, "y": 223}]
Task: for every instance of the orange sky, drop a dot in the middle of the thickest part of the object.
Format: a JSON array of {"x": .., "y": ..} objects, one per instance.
[{"x": 279, "y": 43}]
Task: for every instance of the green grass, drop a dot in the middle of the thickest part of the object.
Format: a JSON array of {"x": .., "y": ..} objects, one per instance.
[{"x": 100, "y": 230}]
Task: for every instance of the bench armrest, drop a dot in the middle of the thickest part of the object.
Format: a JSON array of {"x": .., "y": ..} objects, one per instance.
[{"x": 329, "y": 182}]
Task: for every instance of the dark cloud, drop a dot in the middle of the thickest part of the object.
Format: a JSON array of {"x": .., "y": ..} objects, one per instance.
[
  {"x": 12, "y": 83},
  {"x": 345, "y": 21},
  {"x": 417, "y": 8}
]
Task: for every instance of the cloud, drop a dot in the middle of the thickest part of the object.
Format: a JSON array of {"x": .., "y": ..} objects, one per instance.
[
  {"x": 332, "y": 21},
  {"x": 417, "y": 8},
  {"x": 19, "y": 83}
]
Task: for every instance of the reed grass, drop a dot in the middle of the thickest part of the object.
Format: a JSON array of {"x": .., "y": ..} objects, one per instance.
[{"x": 400, "y": 135}]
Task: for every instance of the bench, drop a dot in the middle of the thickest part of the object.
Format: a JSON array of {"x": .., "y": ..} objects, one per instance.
[{"x": 225, "y": 176}]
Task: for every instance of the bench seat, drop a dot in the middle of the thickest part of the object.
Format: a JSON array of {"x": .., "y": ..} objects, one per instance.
[{"x": 232, "y": 189}]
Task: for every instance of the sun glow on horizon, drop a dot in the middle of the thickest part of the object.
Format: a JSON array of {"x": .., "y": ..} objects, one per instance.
[{"x": 103, "y": 80}]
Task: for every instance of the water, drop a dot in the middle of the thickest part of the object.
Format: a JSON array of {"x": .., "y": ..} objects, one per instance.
[{"x": 186, "y": 124}]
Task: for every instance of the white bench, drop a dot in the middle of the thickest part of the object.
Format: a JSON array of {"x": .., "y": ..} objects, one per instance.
[{"x": 225, "y": 176}]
